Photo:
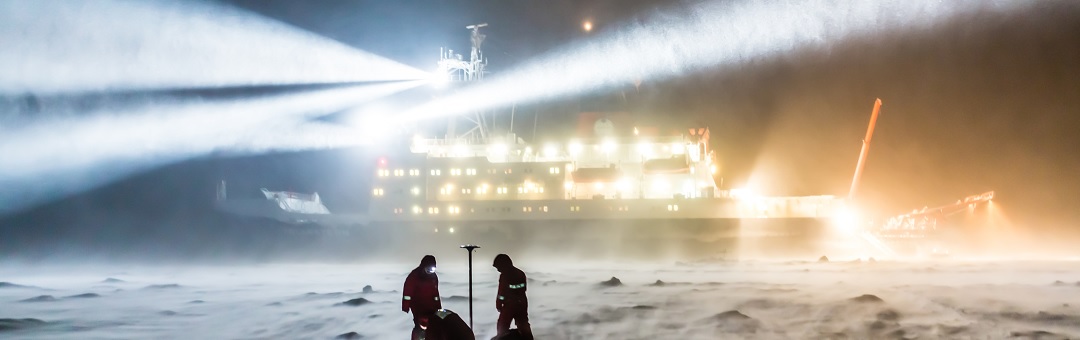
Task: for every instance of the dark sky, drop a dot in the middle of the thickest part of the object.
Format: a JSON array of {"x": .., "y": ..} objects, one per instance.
[{"x": 983, "y": 102}]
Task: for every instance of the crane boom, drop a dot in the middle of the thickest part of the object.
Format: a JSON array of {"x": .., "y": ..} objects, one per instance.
[{"x": 865, "y": 150}]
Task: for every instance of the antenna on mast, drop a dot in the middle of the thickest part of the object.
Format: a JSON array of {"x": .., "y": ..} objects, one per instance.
[{"x": 477, "y": 40}]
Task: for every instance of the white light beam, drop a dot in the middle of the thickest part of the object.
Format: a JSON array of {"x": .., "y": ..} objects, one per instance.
[
  {"x": 55, "y": 46},
  {"x": 711, "y": 34}
]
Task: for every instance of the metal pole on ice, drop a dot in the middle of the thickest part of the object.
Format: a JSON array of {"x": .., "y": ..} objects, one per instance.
[{"x": 470, "y": 248}]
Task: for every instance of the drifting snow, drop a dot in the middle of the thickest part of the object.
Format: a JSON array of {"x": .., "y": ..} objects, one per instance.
[{"x": 839, "y": 299}]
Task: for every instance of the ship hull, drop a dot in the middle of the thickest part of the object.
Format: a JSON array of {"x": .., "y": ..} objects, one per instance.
[{"x": 611, "y": 239}]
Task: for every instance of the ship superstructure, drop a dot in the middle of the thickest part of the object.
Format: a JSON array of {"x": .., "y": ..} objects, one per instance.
[
  {"x": 610, "y": 176},
  {"x": 610, "y": 171}
]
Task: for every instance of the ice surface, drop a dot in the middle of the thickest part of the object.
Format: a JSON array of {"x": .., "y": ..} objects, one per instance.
[{"x": 763, "y": 300}]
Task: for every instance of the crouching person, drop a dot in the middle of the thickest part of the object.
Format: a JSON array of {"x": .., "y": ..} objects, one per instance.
[{"x": 444, "y": 324}]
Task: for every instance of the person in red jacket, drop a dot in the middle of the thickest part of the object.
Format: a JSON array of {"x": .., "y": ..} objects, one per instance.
[
  {"x": 511, "y": 302},
  {"x": 421, "y": 294}
]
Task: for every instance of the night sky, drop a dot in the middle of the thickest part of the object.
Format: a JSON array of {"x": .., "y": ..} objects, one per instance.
[{"x": 987, "y": 101}]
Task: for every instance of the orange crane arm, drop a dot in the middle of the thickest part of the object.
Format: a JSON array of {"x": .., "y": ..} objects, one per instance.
[{"x": 865, "y": 150}]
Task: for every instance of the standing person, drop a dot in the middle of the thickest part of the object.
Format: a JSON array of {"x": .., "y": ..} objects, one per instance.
[
  {"x": 421, "y": 294},
  {"x": 511, "y": 302}
]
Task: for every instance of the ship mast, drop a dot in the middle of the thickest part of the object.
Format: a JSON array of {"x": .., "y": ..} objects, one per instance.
[{"x": 454, "y": 68}]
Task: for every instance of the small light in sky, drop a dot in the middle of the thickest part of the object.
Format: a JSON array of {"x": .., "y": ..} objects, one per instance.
[{"x": 587, "y": 26}]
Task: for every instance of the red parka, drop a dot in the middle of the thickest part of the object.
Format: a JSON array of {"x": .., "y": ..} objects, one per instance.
[{"x": 421, "y": 292}]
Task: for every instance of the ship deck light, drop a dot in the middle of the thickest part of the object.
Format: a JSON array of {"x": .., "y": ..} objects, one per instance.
[
  {"x": 575, "y": 148},
  {"x": 550, "y": 150},
  {"x": 609, "y": 146},
  {"x": 743, "y": 193}
]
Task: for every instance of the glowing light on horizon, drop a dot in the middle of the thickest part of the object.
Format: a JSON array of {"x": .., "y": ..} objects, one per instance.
[
  {"x": 609, "y": 146},
  {"x": 847, "y": 221},
  {"x": 575, "y": 149},
  {"x": 550, "y": 150}
]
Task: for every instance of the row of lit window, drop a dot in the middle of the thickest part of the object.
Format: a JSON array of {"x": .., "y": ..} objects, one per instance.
[
  {"x": 456, "y": 172},
  {"x": 481, "y": 190},
  {"x": 397, "y": 172},
  {"x": 530, "y": 189},
  {"x": 416, "y": 210},
  {"x": 454, "y": 210}
]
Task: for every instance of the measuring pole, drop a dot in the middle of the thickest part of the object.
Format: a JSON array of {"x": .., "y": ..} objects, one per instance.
[{"x": 470, "y": 248}]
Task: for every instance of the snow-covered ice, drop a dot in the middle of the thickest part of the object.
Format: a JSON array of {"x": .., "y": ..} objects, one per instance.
[{"x": 747, "y": 299}]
